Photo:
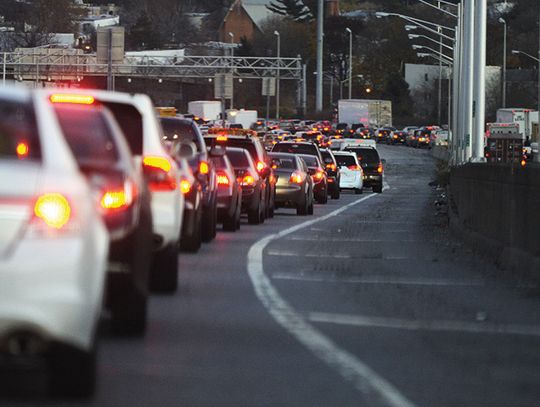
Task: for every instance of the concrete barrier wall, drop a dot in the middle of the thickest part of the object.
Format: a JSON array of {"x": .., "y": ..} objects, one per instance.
[
  {"x": 440, "y": 152},
  {"x": 500, "y": 203}
]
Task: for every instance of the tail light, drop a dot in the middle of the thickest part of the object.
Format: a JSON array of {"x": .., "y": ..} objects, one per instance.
[
  {"x": 331, "y": 167},
  {"x": 523, "y": 163},
  {"x": 72, "y": 98},
  {"x": 223, "y": 179},
  {"x": 204, "y": 168},
  {"x": 117, "y": 199},
  {"x": 185, "y": 186},
  {"x": 247, "y": 181},
  {"x": 260, "y": 166},
  {"x": 380, "y": 168},
  {"x": 158, "y": 172},
  {"x": 318, "y": 176},
  {"x": 353, "y": 167},
  {"x": 53, "y": 209},
  {"x": 22, "y": 150},
  {"x": 296, "y": 178}
]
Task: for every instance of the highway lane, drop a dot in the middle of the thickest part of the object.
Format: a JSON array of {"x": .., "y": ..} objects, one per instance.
[{"x": 379, "y": 283}]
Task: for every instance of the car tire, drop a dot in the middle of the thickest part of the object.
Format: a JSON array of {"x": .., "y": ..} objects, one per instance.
[
  {"x": 230, "y": 222},
  {"x": 310, "y": 208},
  {"x": 209, "y": 222},
  {"x": 335, "y": 193},
  {"x": 72, "y": 372},
  {"x": 378, "y": 188},
  {"x": 254, "y": 216},
  {"x": 358, "y": 191},
  {"x": 193, "y": 243},
  {"x": 323, "y": 199},
  {"x": 164, "y": 271},
  {"x": 302, "y": 208}
]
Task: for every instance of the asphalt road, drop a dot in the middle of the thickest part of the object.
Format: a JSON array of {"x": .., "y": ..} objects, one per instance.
[{"x": 368, "y": 303}]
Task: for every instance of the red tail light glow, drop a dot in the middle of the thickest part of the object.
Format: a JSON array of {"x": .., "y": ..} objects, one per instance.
[
  {"x": 204, "y": 168},
  {"x": 222, "y": 179},
  {"x": 53, "y": 209},
  {"x": 353, "y": 167},
  {"x": 247, "y": 181},
  {"x": 22, "y": 150},
  {"x": 380, "y": 169},
  {"x": 296, "y": 178},
  {"x": 158, "y": 170},
  {"x": 318, "y": 176},
  {"x": 73, "y": 98},
  {"x": 260, "y": 166},
  {"x": 331, "y": 167},
  {"x": 185, "y": 186}
]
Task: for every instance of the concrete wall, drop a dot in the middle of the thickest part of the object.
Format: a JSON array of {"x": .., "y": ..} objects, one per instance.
[{"x": 500, "y": 204}]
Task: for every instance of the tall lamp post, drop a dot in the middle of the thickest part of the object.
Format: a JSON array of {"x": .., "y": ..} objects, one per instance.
[
  {"x": 232, "y": 69},
  {"x": 276, "y": 33},
  {"x": 350, "y": 61},
  {"x": 503, "y": 21}
]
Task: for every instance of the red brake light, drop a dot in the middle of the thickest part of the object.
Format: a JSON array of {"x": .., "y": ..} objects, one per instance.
[
  {"x": 247, "y": 181},
  {"x": 72, "y": 98},
  {"x": 296, "y": 178},
  {"x": 185, "y": 186},
  {"x": 318, "y": 176},
  {"x": 22, "y": 150},
  {"x": 380, "y": 169},
  {"x": 260, "y": 166},
  {"x": 221, "y": 138},
  {"x": 353, "y": 167},
  {"x": 53, "y": 209},
  {"x": 331, "y": 167},
  {"x": 222, "y": 179},
  {"x": 158, "y": 170},
  {"x": 203, "y": 167}
]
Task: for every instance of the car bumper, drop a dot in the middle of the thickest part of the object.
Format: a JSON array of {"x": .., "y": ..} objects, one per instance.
[
  {"x": 167, "y": 215},
  {"x": 370, "y": 179},
  {"x": 351, "y": 182},
  {"x": 289, "y": 195},
  {"x": 57, "y": 296}
]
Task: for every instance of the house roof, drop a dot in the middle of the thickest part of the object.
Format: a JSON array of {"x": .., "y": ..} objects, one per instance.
[{"x": 257, "y": 11}]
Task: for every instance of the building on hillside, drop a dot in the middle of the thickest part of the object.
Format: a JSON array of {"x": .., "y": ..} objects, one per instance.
[{"x": 244, "y": 19}]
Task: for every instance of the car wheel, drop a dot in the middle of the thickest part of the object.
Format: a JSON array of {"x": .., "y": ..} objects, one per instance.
[
  {"x": 377, "y": 188},
  {"x": 238, "y": 215},
  {"x": 209, "y": 222},
  {"x": 72, "y": 372},
  {"x": 358, "y": 191},
  {"x": 254, "y": 215},
  {"x": 310, "y": 208},
  {"x": 303, "y": 207},
  {"x": 323, "y": 199},
  {"x": 335, "y": 193},
  {"x": 164, "y": 271},
  {"x": 193, "y": 243}
]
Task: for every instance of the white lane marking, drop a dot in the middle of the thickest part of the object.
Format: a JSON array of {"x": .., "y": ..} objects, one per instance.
[
  {"x": 351, "y": 239},
  {"x": 349, "y": 366},
  {"x": 415, "y": 325},
  {"x": 295, "y": 254},
  {"x": 282, "y": 253},
  {"x": 430, "y": 282}
]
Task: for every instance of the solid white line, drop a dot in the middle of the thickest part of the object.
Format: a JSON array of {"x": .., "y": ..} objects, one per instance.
[
  {"x": 351, "y": 239},
  {"x": 296, "y": 254},
  {"x": 430, "y": 282},
  {"x": 415, "y": 325},
  {"x": 349, "y": 366}
]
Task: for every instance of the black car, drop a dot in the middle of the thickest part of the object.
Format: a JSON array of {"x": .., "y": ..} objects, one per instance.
[
  {"x": 319, "y": 177},
  {"x": 259, "y": 155},
  {"x": 104, "y": 157},
  {"x": 372, "y": 165},
  {"x": 384, "y": 133},
  {"x": 229, "y": 194},
  {"x": 397, "y": 137},
  {"x": 332, "y": 170},
  {"x": 186, "y": 130},
  {"x": 298, "y": 148},
  {"x": 252, "y": 183}
]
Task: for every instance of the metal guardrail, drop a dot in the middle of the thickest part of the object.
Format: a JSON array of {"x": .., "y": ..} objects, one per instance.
[{"x": 54, "y": 64}]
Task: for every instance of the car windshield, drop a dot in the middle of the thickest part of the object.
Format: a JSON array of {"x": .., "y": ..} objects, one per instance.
[
  {"x": 345, "y": 160},
  {"x": 295, "y": 148},
  {"x": 369, "y": 155},
  {"x": 18, "y": 133},
  {"x": 284, "y": 163},
  {"x": 87, "y": 134}
]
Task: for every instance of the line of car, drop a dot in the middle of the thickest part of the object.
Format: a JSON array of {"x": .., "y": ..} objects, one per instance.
[{"x": 98, "y": 196}]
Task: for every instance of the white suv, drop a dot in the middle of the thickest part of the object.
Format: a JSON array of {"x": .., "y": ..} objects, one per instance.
[{"x": 53, "y": 248}]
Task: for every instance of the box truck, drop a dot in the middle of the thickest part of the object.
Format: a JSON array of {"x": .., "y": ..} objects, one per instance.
[
  {"x": 205, "y": 109},
  {"x": 369, "y": 112},
  {"x": 244, "y": 117}
]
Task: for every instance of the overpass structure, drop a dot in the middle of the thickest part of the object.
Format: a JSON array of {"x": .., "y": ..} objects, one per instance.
[{"x": 72, "y": 65}]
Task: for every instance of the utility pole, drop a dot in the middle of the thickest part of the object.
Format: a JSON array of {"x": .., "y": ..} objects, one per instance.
[
  {"x": 320, "y": 33},
  {"x": 537, "y": 155},
  {"x": 468, "y": 40},
  {"x": 479, "y": 110}
]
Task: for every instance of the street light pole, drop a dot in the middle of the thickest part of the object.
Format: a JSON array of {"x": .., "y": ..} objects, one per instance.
[
  {"x": 350, "y": 61},
  {"x": 439, "y": 119},
  {"x": 536, "y": 157},
  {"x": 468, "y": 37},
  {"x": 320, "y": 32},
  {"x": 276, "y": 33},
  {"x": 479, "y": 110},
  {"x": 232, "y": 69},
  {"x": 503, "y": 21}
]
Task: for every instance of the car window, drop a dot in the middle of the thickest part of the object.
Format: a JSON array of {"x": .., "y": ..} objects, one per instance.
[
  {"x": 238, "y": 159},
  {"x": 183, "y": 131},
  {"x": 18, "y": 132},
  {"x": 295, "y": 148},
  {"x": 245, "y": 144},
  {"x": 310, "y": 160},
  {"x": 369, "y": 155},
  {"x": 345, "y": 160},
  {"x": 87, "y": 134},
  {"x": 284, "y": 163},
  {"x": 131, "y": 123}
]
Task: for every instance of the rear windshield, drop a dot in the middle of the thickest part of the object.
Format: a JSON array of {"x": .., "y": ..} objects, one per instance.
[
  {"x": 182, "y": 130},
  {"x": 295, "y": 148},
  {"x": 88, "y": 135},
  {"x": 288, "y": 163},
  {"x": 131, "y": 123},
  {"x": 367, "y": 155},
  {"x": 19, "y": 138},
  {"x": 310, "y": 160},
  {"x": 345, "y": 160},
  {"x": 238, "y": 159},
  {"x": 245, "y": 144}
]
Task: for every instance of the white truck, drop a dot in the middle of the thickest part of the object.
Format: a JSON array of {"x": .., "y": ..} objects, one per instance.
[
  {"x": 244, "y": 117},
  {"x": 205, "y": 109},
  {"x": 523, "y": 117},
  {"x": 369, "y": 112}
]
